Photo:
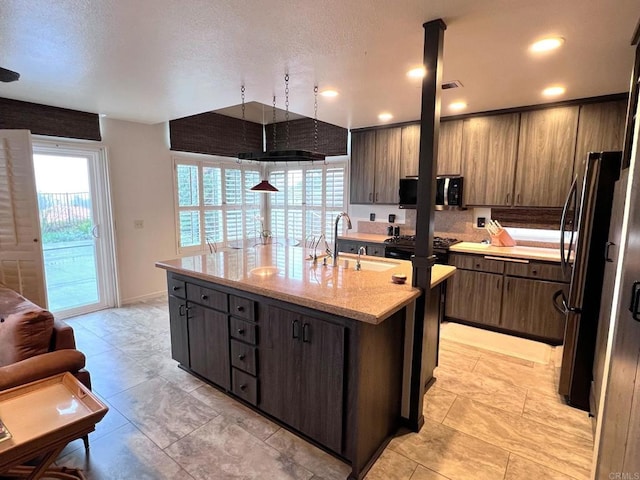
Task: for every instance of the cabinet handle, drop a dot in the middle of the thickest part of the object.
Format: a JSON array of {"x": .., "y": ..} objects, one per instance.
[
  {"x": 243, "y": 387},
  {"x": 241, "y": 331},
  {"x": 241, "y": 356},
  {"x": 606, "y": 252},
  {"x": 295, "y": 329},
  {"x": 175, "y": 289},
  {"x": 305, "y": 333},
  {"x": 477, "y": 265},
  {"x": 518, "y": 201},
  {"x": 371, "y": 197},
  {"x": 498, "y": 285},
  {"x": 535, "y": 272},
  {"x": 204, "y": 297},
  {"x": 508, "y": 195},
  {"x": 181, "y": 310},
  {"x": 377, "y": 196},
  {"x": 635, "y": 301},
  {"x": 508, "y": 283},
  {"x": 240, "y": 308}
]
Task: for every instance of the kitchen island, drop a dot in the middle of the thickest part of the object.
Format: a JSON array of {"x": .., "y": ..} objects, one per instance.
[{"x": 320, "y": 349}]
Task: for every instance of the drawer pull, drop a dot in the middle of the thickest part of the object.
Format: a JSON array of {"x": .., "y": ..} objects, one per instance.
[
  {"x": 535, "y": 272},
  {"x": 204, "y": 297},
  {"x": 506, "y": 259},
  {"x": 175, "y": 289},
  {"x": 241, "y": 331},
  {"x": 240, "y": 308},
  {"x": 477, "y": 265},
  {"x": 241, "y": 356},
  {"x": 243, "y": 387}
]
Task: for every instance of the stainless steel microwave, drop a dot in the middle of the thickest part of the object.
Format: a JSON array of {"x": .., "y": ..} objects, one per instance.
[{"x": 449, "y": 192}]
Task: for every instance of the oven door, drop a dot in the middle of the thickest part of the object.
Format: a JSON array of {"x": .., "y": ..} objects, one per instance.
[{"x": 398, "y": 252}]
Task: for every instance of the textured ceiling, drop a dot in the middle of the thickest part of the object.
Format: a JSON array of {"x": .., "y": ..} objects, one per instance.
[{"x": 155, "y": 60}]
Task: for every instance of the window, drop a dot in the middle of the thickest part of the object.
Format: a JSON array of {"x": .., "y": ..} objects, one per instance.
[
  {"x": 308, "y": 200},
  {"x": 214, "y": 203}
]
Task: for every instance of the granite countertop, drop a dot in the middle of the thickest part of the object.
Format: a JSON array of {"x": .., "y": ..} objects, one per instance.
[
  {"x": 364, "y": 237},
  {"x": 366, "y": 295},
  {"x": 528, "y": 253}
]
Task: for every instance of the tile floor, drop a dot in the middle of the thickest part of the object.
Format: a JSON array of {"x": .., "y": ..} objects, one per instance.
[{"x": 489, "y": 416}]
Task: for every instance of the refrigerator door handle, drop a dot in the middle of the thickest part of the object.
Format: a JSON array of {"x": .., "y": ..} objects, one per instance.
[
  {"x": 564, "y": 259},
  {"x": 634, "y": 308},
  {"x": 560, "y": 307}
]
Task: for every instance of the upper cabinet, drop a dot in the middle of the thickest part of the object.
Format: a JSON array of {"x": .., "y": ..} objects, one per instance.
[
  {"x": 545, "y": 156},
  {"x": 489, "y": 146},
  {"x": 449, "y": 149},
  {"x": 600, "y": 128},
  {"x": 375, "y": 166}
]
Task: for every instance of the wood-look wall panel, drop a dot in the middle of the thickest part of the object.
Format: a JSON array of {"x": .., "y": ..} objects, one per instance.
[{"x": 546, "y": 152}]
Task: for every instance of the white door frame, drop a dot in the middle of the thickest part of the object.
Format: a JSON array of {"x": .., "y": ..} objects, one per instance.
[{"x": 103, "y": 214}]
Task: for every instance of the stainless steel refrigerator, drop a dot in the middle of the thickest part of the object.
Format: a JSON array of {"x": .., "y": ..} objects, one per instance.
[{"x": 585, "y": 219}]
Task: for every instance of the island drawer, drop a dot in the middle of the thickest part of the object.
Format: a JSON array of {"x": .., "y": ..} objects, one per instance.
[
  {"x": 242, "y": 307},
  {"x": 245, "y": 331},
  {"x": 476, "y": 262},
  {"x": 177, "y": 287},
  {"x": 207, "y": 297},
  {"x": 243, "y": 356},
  {"x": 244, "y": 386},
  {"x": 542, "y": 271}
]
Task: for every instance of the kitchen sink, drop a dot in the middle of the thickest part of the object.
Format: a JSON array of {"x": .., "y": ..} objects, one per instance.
[{"x": 367, "y": 265}]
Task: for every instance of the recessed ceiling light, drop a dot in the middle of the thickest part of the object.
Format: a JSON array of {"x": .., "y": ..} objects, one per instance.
[
  {"x": 329, "y": 93},
  {"x": 553, "y": 91},
  {"x": 546, "y": 44},
  {"x": 456, "y": 106},
  {"x": 385, "y": 117},
  {"x": 418, "y": 72}
]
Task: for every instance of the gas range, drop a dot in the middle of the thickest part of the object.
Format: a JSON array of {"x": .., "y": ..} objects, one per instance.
[{"x": 403, "y": 246}]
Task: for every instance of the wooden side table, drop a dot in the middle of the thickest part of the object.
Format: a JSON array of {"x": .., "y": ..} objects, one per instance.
[{"x": 43, "y": 417}]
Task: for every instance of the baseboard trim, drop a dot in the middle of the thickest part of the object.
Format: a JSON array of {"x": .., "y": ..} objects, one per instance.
[{"x": 142, "y": 298}]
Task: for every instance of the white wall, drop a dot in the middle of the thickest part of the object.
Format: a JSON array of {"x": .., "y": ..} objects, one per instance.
[{"x": 141, "y": 180}]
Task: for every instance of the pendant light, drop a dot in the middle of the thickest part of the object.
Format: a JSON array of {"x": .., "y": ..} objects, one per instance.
[{"x": 264, "y": 185}]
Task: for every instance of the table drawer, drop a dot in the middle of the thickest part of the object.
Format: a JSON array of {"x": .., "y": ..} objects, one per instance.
[
  {"x": 177, "y": 288},
  {"x": 245, "y": 331},
  {"x": 244, "y": 386},
  {"x": 476, "y": 262},
  {"x": 207, "y": 297},
  {"x": 542, "y": 271},
  {"x": 244, "y": 356},
  {"x": 242, "y": 307}
]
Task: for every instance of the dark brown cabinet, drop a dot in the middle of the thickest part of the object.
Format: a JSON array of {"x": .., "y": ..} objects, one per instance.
[
  {"x": 527, "y": 308},
  {"x": 209, "y": 344},
  {"x": 489, "y": 147},
  {"x": 352, "y": 246},
  {"x": 303, "y": 362},
  {"x": 178, "y": 330},
  {"x": 546, "y": 152},
  {"x": 449, "y": 149},
  {"x": 375, "y": 166},
  {"x": 410, "y": 151},
  {"x": 474, "y": 297}
]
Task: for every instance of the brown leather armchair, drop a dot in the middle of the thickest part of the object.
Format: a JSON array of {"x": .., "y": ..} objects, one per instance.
[{"x": 33, "y": 345}]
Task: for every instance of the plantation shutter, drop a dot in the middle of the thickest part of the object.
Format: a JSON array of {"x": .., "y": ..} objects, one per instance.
[{"x": 21, "y": 263}]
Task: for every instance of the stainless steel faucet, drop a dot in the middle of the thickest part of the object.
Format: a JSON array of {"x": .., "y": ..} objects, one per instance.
[
  {"x": 362, "y": 250},
  {"x": 335, "y": 235}
]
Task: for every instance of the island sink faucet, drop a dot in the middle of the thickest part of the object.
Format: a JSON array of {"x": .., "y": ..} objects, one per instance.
[{"x": 335, "y": 235}]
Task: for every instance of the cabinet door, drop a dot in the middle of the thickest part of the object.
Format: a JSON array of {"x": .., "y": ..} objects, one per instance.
[
  {"x": 410, "y": 151},
  {"x": 280, "y": 369},
  {"x": 545, "y": 156},
  {"x": 363, "y": 157},
  {"x": 387, "y": 166},
  {"x": 322, "y": 380},
  {"x": 178, "y": 330},
  {"x": 450, "y": 148},
  {"x": 474, "y": 297},
  {"x": 209, "y": 344},
  {"x": 528, "y": 308},
  {"x": 600, "y": 128},
  {"x": 489, "y": 147}
]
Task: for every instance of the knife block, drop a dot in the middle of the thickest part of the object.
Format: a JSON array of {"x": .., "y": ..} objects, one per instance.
[{"x": 502, "y": 239}]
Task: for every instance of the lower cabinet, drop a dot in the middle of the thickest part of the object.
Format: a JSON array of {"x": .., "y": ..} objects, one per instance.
[
  {"x": 509, "y": 295},
  {"x": 178, "y": 330},
  {"x": 302, "y": 374},
  {"x": 209, "y": 344},
  {"x": 352, "y": 246}
]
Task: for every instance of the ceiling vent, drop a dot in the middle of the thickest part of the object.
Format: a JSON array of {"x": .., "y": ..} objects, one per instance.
[
  {"x": 8, "y": 75},
  {"x": 453, "y": 84}
]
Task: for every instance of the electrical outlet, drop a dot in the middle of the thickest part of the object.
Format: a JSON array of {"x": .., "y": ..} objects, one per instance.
[
  {"x": 138, "y": 224},
  {"x": 481, "y": 222}
]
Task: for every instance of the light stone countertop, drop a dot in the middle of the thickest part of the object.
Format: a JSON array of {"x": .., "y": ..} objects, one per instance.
[
  {"x": 528, "y": 253},
  {"x": 366, "y": 295},
  {"x": 364, "y": 237}
]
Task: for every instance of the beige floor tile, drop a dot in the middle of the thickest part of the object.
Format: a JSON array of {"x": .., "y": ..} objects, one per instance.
[
  {"x": 437, "y": 403},
  {"x": 391, "y": 466},
  {"x": 539, "y": 378},
  {"x": 459, "y": 360},
  {"x": 221, "y": 449},
  {"x": 452, "y": 453},
  {"x": 312, "y": 458},
  {"x": 554, "y": 448},
  {"x": 549, "y": 411},
  {"x": 492, "y": 391},
  {"x": 522, "y": 469},
  {"x": 422, "y": 473}
]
